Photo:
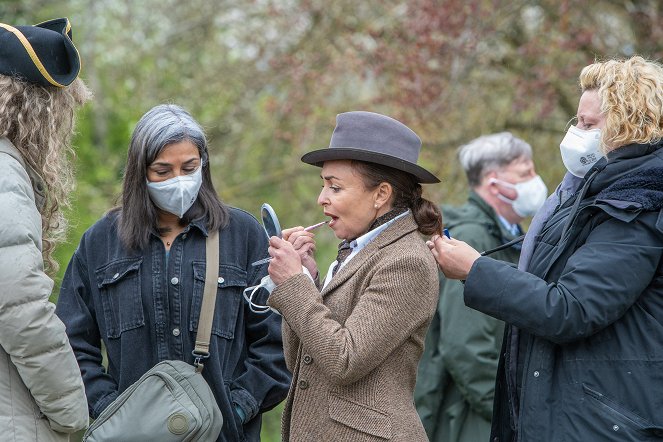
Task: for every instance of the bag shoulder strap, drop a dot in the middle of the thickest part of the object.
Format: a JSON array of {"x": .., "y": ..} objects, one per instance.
[{"x": 201, "y": 350}]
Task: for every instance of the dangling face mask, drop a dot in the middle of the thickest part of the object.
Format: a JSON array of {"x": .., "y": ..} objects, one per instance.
[
  {"x": 249, "y": 292},
  {"x": 176, "y": 195},
  {"x": 531, "y": 195},
  {"x": 580, "y": 149},
  {"x": 267, "y": 284}
]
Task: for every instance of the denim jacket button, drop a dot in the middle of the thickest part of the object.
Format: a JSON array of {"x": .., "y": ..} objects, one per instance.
[
  {"x": 176, "y": 331},
  {"x": 174, "y": 281},
  {"x": 221, "y": 280},
  {"x": 116, "y": 275}
]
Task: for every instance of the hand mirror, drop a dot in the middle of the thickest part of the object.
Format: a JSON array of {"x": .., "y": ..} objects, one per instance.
[{"x": 270, "y": 223}]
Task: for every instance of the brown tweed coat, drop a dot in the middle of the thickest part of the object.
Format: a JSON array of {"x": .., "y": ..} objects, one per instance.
[{"x": 354, "y": 348}]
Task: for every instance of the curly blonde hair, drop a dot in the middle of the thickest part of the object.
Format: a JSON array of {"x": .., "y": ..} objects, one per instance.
[
  {"x": 39, "y": 121},
  {"x": 631, "y": 94}
]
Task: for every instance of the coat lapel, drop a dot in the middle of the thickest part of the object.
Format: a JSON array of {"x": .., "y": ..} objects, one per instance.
[{"x": 398, "y": 229}]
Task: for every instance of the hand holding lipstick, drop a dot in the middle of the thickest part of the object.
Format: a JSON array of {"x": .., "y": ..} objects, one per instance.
[
  {"x": 302, "y": 240},
  {"x": 315, "y": 226}
]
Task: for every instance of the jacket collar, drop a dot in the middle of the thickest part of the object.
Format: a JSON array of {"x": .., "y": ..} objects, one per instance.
[
  {"x": 632, "y": 151},
  {"x": 624, "y": 183},
  {"x": 632, "y": 178},
  {"x": 622, "y": 162},
  {"x": 38, "y": 187},
  {"x": 394, "y": 232},
  {"x": 200, "y": 224},
  {"x": 642, "y": 189},
  {"x": 503, "y": 234}
]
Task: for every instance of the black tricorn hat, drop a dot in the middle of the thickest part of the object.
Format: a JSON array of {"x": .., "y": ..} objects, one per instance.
[
  {"x": 375, "y": 138},
  {"x": 43, "y": 54}
]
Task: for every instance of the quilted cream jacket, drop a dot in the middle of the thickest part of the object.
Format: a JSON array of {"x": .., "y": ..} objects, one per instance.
[{"x": 42, "y": 397}]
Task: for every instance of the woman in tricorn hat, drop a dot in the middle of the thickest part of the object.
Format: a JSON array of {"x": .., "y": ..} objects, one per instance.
[
  {"x": 354, "y": 341},
  {"x": 41, "y": 392}
]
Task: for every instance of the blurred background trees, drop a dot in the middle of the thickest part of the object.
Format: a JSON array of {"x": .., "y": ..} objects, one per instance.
[{"x": 267, "y": 77}]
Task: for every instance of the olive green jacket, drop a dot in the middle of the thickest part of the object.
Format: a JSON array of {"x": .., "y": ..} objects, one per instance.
[{"x": 456, "y": 375}]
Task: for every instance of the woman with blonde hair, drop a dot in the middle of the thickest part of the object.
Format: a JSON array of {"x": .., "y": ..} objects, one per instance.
[
  {"x": 42, "y": 397},
  {"x": 583, "y": 358}
]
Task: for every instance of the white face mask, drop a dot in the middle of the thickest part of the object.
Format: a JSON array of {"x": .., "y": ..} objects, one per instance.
[
  {"x": 267, "y": 284},
  {"x": 531, "y": 195},
  {"x": 176, "y": 195},
  {"x": 580, "y": 149}
]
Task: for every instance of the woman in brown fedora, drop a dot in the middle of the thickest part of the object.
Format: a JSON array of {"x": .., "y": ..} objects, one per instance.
[
  {"x": 42, "y": 397},
  {"x": 353, "y": 342}
]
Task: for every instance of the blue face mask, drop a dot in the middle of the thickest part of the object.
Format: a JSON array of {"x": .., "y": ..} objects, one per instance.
[{"x": 176, "y": 195}]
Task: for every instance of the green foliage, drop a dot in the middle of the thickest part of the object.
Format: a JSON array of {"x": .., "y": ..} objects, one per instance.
[{"x": 266, "y": 78}]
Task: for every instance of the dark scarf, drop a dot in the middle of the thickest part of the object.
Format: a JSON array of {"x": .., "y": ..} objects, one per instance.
[
  {"x": 643, "y": 187},
  {"x": 344, "y": 249}
]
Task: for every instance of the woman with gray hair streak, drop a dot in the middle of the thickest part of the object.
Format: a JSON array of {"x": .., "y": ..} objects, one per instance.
[
  {"x": 136, "y": 281},
  {"x": 456, "y": 375}
]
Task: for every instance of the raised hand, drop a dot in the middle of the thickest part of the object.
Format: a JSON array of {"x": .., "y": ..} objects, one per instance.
[
  {"x": 455, "y": 258},
  {"x": 304, "y": 243}
]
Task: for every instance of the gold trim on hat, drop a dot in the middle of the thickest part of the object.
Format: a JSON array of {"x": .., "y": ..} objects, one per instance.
[
  {"x": 66, "y": 32},
  {"x": 31, "y": 52},
  {"x": 67, "y": 27}
]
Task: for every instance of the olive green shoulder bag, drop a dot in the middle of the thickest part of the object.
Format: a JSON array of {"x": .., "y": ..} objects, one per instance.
[{"x": 171, "y": 402}]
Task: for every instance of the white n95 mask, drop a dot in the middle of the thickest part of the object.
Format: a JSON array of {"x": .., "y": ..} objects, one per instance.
[
  {"x": 580, "y": 149},
  {"x": 267, "y": 284},
  {"x": 176, "y": 195},
  {"x": 531, "y": 195}
]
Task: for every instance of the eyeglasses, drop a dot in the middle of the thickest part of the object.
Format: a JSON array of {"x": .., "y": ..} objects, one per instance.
[{"x": 572, "y": 122}]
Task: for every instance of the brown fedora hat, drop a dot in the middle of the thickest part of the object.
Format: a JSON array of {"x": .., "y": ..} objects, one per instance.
[{"x": 374, "y": 138}]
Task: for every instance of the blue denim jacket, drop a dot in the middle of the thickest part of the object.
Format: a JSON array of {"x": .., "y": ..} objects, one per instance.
[{"x": 145, "y": 309}]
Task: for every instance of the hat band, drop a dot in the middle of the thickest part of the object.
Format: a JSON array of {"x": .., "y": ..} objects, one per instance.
[{"x": 31, "y": 52}]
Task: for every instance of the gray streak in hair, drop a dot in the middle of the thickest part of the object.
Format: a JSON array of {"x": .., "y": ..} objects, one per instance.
[
  {"x": 489, "y": 153},
  {"x": 167, "y": 124},
  {"x": 161, "y": 126}
]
